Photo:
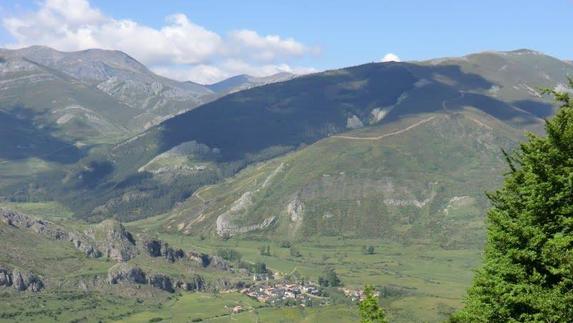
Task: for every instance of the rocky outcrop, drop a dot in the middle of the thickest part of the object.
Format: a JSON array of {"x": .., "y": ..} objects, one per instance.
[
  {"x": 23, "y": 221},
  {"x": 158, "y": 248},
  {"x": 5, "y": 277},
  {"x": 108, "y": 238},
  {"x": 21, "y": 281},
  {"x": 84, "y": 245},
  {"x": 174, "y": 254},
  {"x": 353, "y": 122},
  {"x": 125, "y": 273},
  {"x": 241, "y": 206},
  {"x": 153, "y": 247},
  {"x": 195, "y": 284},
  {"x": 219, "y": 263},
  {"x": 207, "y": 261},
  {"x": 202, "y": 259},
  {"x": 295, "y": 210},
  {"x": 162, "y": 282},
  {"x": 49, "y": 230},
  {"x": 113, "y": 240}
]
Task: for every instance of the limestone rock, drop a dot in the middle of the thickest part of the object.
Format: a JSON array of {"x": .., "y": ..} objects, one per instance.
[
  {"x": 21, "y": 281},
  {"x": 158, "y": 248},
  {"x": 162, "y": 282},
  {"x": 5, "y": 277},
  {"x": 113, "y": 240},
  {"x": 125, "y": 273}
]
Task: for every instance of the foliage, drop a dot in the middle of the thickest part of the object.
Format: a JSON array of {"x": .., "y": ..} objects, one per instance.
[
  {"x": 330, "y": 278},
  {"x": 294, "y": 252},
  {"x": 265, "y": 250},
  {"x": 370, "y": 310},
  {"x": 368, "y": 250},
  {"x": 229, "y": 254},
  {"x": 260, "y": 268},
  {"x": 285, "y": 244},
  {"x": 528, "y": 271}
]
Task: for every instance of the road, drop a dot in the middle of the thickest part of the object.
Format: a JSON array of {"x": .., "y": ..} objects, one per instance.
[{"x": 419, "y": 123}]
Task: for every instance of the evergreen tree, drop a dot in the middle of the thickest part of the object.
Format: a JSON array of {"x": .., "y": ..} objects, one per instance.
[
  {"x": 528, "y": 267},
  {"x": 370, "y": 310}
]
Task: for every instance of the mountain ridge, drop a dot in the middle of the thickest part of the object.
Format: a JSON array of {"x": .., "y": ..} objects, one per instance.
[
  {"x": 244, "y": 82},
  {"x": 264, "y": 122}
]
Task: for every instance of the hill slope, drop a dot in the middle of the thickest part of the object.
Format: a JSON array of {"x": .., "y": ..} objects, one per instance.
[
  {"x": 419, "y": 179},
  {"x": 138, "y": 97},
  {"x": 244, "y": 82},
  {"x": 264, "y": 122},
  {"x": 55, "y": 106}
]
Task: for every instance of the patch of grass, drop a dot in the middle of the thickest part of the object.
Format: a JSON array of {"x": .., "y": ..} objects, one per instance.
[
  {"x": 420, "y": 282},
  {"x": 197, "y": 306},
  {"x": 68, "y": 306},
  {"x": 47, "y": 210}
]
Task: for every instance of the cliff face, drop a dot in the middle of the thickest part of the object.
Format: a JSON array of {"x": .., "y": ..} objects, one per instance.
[
  {"x": 21, "y": 281},
  {"x": 144, "y": 261},
  {"x": 109, "y": 239}
]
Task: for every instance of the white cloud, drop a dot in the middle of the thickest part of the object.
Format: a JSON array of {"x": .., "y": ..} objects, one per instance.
[
  {"x": 390, "y": 57},
  {"x": 266, "y": 48},
  {"x": 180, "y": 48}
]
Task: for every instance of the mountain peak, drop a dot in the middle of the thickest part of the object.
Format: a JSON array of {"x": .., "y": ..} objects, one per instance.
[
  {"x": 245, "y": 81},
  {"x": 525, "y": 51}
]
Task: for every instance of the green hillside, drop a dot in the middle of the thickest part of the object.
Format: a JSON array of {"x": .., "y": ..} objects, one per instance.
[
  {"x": 318, "y": 170},
  {"x": 267, "y": 121},
  {"x": 419, "y": 179}
]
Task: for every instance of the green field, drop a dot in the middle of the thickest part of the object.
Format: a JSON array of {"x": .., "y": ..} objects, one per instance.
[
  {"x": 420, "y": 282},
  {"x": 47, "y": 210},
  {"x": 71, "y": 306},
  {"x": 218, "y": 308}
]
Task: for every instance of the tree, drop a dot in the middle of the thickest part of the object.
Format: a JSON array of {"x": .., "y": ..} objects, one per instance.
[
  {"x": 368, "y": 250},
  {"x": 229, "y": 254},
  {"x": 265, "y": 250},
  {"x": 330, "y": 278},
  {"x": 370, "y": 310},
  {"x": 294, "y": 252},
  {"x": 527, "y": 273},
  {"x": 260, "y": 268}
]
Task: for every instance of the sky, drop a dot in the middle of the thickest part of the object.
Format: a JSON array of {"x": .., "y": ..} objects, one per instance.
[{"x": 207, "y": 41}]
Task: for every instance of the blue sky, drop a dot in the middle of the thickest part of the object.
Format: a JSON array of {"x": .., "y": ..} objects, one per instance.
[{"x": 262, "y": 37}]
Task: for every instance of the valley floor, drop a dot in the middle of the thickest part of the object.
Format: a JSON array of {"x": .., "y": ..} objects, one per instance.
[{"x": 418, "y": 282}]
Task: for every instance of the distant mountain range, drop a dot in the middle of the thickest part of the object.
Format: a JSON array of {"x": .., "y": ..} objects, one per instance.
[
  {"x": 58, "y": 108},
  {"x": 392, "y": 155},
  {"x": 63, "y": 101},
  {"x": 244, "y": 82},
  {"x": 413, "y": 169},
  {"x": 92, "y": 93}
]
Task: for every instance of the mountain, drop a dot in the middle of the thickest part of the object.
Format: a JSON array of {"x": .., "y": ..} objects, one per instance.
[
  {"x": 295, "y": 176},
  {"x": 146, "y": 97},
  {"x": 56, "y": 106},
  {"x": 243, "y": 82},
  {"x": 420, "y": 179},
  {"x": 149, "y": 173},
  {"x": 104, "y": 264},
  {"x": 55, "y": 103}
]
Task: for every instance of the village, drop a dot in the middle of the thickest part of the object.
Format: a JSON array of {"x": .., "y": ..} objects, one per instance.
[
  {"x": 296, "y": 293},
  {"x": 286, "y": 293}
]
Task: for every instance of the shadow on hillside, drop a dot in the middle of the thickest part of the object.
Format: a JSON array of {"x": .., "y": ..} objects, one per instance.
[
  {"x": 538, "y": 108},
  {"x": 20, "y": 138},
  {"x": 450, "y": 89},
  {"x": 308, "y": 108}
]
